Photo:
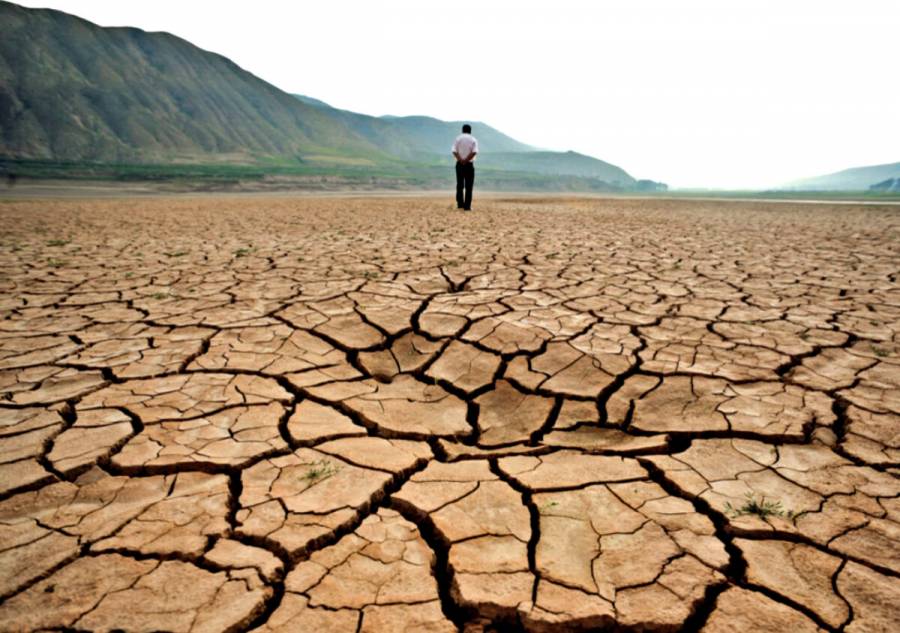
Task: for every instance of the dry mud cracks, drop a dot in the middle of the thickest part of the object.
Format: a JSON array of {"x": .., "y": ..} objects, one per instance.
[{"x": 382, "y": 415}]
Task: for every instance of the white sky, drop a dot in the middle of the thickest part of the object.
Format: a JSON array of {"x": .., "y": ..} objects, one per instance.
[{"x": 716, "y": 93}]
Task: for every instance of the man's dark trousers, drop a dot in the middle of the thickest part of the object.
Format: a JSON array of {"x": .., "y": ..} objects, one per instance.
[{"x": 465, "y": 177}]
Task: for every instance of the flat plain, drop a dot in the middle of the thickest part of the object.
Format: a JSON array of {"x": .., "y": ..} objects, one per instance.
[{"x": 381, "y": 414}]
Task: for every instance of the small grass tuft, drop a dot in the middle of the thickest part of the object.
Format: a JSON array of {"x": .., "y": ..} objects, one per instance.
[
  {"x": 58, "y": 242},
  {"x": 880, "y": 352},
  {"x": 321, "y": 470},
  {"x": 175, "y": 253},
  {"x": 760, "y": 507},
  {"x": 159, "y": 295},
  {"x": 55, "y": 263},
  {"x": 243, "y": 252}
]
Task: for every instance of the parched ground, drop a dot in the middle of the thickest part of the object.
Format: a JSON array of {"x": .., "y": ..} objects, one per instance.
[{"x": 380, "y": 414}]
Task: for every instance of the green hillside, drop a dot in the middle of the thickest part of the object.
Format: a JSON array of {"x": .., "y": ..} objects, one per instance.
[{"x": 80, "y": 100}]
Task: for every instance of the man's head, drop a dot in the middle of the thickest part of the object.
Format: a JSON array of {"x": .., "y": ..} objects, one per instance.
[{"x": 467, "y": 129}]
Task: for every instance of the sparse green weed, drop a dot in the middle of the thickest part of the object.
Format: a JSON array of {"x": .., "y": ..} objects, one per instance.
[
  {"x": 55, "y": 263},
  {"x": 760, "y": 507},
  {"x": 58, "y": 242},
  {"x": 880, "y": 352},
  {"x": 321, "y": 470}
]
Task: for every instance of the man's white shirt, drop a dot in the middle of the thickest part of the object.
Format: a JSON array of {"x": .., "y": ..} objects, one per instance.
[{"x": 464, "y": 145}]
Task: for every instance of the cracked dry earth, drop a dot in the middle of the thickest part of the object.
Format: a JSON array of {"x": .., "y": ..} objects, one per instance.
[{"x": 379, "y": 415}]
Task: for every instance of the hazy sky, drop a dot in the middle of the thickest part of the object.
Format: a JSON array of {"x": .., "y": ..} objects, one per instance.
[{"x": 695, "y": 93}]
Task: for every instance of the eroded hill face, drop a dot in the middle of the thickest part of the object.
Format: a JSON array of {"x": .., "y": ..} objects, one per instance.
[
  {"x": 384, "y": 415},
  {"x": 82, "y": 94},
  {"x": 123, "y": 95}
]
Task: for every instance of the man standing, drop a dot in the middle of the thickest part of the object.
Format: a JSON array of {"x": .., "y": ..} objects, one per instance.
[{"x": 464, "y": 149}]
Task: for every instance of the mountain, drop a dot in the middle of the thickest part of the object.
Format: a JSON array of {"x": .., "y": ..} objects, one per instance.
[
  {"x": 416, "y": 137},
  {"x": 891, "y": 185},
  {"x": 427, "y": 138},
  {"x": 558, "y": 163},
  {"x": 74, "y": 92},
  {"x": 853, "y": 179},
  {"x": 312, "y": 101}
]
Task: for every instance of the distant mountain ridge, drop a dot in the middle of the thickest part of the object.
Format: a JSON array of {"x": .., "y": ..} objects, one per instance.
[
  {"x": 891, "y": 185},
  {"x": 71, "y": 90},
  {"x": 412, "y": 136},
  {"x": 557, "y": 163},
  {"x": 427, "y": 138},
  {"x": 853, "y": 179}
]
